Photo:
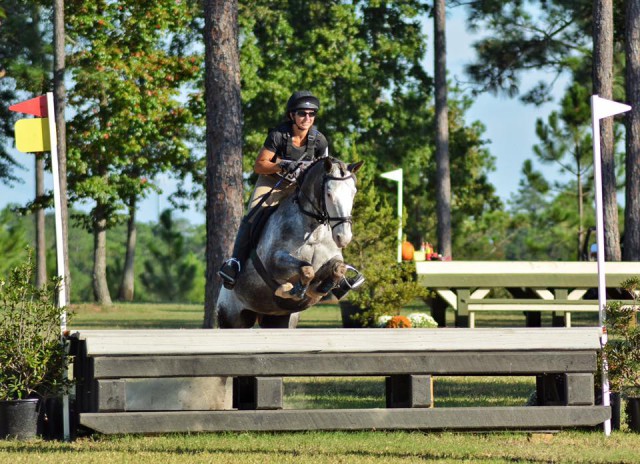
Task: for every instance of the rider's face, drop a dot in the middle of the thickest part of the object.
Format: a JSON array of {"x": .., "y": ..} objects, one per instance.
[{"x": 304, "y": 118}]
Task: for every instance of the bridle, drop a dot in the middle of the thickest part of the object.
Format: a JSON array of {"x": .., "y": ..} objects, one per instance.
[{"x": 320, "y": 213}]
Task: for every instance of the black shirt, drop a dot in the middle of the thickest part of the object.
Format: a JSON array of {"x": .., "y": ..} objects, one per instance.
[{"x": 280, "y": 137}]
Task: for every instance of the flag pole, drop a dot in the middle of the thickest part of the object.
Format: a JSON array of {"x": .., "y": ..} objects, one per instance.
[
  {"x": 57, "y": 202},
  {"x": 602, "y": 108},
  {"x": 398, "y": 177}
]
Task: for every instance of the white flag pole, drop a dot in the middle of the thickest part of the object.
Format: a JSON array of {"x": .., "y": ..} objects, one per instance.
[
  {"x": 57, "y": 201},
  {"x": 602, "y": 108},
  {"x": 397, "y": 176}
]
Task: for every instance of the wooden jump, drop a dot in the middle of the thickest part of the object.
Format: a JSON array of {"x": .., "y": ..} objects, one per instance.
[
  {"x": 535, "y": 286},
  {"x": 157, "y": 381}
]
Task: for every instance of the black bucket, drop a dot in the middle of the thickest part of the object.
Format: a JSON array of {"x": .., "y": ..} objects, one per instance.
[
  {"x": 633, "y": 414},
  {"x": 19, "y": 419},
  {"x": 615, "y": 411}
]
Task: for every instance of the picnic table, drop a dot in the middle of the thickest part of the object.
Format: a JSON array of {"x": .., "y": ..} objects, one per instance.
[{"x": 534, "y": 287}]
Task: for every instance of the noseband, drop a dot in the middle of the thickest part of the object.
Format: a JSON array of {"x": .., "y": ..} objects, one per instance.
[{"x": 320, "y": 213}]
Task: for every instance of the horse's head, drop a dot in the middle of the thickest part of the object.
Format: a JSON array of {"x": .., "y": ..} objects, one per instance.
[{"x": 330, "y": 187}]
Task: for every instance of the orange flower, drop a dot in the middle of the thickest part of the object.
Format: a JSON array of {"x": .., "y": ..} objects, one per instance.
[{"x": 399, "y": 322}]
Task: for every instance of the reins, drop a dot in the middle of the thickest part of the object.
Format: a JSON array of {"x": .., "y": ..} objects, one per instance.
[{"x": 320, "y": 213}]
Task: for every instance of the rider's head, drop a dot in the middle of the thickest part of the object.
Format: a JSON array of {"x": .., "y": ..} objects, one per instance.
[{"x": 302, "y": 100}]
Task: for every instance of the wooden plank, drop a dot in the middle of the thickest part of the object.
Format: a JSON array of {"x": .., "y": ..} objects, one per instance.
[
  {"x": 533, "y": 302},
  {"x": 542, "y": 274},
  {"x": 579, "y": 389},
  {"x": 516, "y": 306},
  {"x": 249, "y": 341},
  {"x": 164, "y": 394},
  {"x": 453, "y": 363},
  {"x": 409, "y": 391},
  {"x": 489, "y": 418}
]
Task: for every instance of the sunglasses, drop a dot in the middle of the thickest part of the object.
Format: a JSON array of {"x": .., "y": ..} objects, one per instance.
[{"x": 302, "y": 114}]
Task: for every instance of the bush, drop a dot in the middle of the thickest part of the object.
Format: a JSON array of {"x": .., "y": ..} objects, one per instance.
[
  {"x": 622, "y": 350},
  {"x": 32, "y": 357},
  {"x": 389, "y": 285}
]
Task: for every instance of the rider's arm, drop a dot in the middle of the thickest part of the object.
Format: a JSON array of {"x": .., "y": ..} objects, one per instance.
[{"x": 264, "y": 164}]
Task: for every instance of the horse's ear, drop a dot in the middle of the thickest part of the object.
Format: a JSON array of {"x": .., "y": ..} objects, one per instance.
[
  {"x": 354, "y": 167},
  {"x": 328, "y": 164}
]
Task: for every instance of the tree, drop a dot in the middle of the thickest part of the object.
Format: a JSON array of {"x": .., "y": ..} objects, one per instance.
[
  {"x": 603, "y": 87},
  {"x": 543, "y": 224},
  {"x": 130, "y": 123},
  {"x": 60, "y": 96},
  {"x": 567, "y": 135},
  {"x": 169, "y": 273},
  {"x": 27, "y": 68},
  {"x": 224, "y": 188},
  {"x": 443, "y": 175},
  {"x": 632, "y": 193},
  {"x": 8, "y": 52}
]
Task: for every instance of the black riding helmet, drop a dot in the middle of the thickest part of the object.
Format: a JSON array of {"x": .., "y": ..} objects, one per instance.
[{"x": 302, "y": 99}]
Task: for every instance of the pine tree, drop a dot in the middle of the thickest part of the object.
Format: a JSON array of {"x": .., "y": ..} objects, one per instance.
[{"x": 170, "y": 272}]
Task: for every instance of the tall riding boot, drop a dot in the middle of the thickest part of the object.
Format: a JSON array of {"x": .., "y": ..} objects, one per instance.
[{"x": 232, "y": 267}]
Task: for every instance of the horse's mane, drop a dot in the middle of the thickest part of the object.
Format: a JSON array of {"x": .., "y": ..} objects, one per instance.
[{"x": 343, "y": 168}]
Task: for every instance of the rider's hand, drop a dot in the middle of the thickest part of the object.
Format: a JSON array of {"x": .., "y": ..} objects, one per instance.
[{"x": 288, "y": 166}]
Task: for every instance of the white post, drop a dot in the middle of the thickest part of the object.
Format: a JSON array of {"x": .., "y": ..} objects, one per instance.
[
  {"x": 397, "y": 176},
  {"x": 602, "y": 108},
  {"x": 62, "y": 296}
]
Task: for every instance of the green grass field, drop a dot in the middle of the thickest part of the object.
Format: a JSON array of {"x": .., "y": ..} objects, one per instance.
[{"x": 332, "y": 447}]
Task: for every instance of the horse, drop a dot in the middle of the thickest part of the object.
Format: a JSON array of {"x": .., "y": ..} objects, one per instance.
[{"x": 298, "y": 258}]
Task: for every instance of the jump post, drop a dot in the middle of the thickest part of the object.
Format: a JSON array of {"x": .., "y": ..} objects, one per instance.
[{"x": 120, "y": 373}]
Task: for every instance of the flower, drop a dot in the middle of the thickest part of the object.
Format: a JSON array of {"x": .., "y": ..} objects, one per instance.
[
  {"x": 382, "y": 320},
  {"x": 399, "y": 322},
  {"x": 422, "y": 321}
]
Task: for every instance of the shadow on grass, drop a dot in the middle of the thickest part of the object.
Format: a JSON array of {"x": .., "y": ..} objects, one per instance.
[{"x": 369, "y": 392}]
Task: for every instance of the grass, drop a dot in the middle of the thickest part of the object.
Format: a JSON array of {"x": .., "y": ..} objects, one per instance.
[{"x": 333, "y": 447}]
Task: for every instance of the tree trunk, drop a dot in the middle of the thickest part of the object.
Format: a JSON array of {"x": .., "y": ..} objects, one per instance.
[
  {"x": 60, "y": 95},
  {"x": 100, "y": 286},
  {"x": 128, "y": 274},
  {"x": 603, "y": 87},
  {"x": 224, "y": 141},
  {"x": 581, "y": 234},
  {"x": 443, "y": 175},
  {"x": 41, "y": 242},
  {"x": 632, "y": 193}
]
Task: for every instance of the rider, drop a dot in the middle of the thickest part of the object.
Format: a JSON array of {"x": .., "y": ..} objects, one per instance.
[
  {"x": 277, "y": 166},
  {"x": 285, "y": 152}
]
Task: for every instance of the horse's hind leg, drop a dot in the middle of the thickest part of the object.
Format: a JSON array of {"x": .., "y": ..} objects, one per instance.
[
  {"x": 279, "y": 322},
  {"x": 231, "y": 313}
]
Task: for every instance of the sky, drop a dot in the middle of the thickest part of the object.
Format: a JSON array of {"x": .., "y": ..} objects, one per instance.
[{"x": 510, "y": 129}]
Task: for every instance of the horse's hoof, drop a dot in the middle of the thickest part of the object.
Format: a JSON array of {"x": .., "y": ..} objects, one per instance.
[
  {"x": 283, "y": 290},
  {"x": 306, "y": 274},
  {"x": 339, "y": 270}
]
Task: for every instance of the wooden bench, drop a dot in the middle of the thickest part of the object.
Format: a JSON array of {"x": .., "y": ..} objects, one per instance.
[
  {"x": 119, "y": 373},
  {"x": 535, "y": 287}
]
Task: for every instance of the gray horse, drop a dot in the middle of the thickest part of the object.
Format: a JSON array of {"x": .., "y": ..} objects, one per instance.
[{"x": 298, "y": 259}]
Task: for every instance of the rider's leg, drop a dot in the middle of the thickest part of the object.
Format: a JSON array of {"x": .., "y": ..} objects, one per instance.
[
  {"x": 232, "y": 267},
  {"x": 348, "y": 283}
]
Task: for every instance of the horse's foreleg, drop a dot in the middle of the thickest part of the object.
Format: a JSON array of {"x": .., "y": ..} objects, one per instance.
[
  {"x": 327, "y": 277},
  {"x": 297, "y": 273}
]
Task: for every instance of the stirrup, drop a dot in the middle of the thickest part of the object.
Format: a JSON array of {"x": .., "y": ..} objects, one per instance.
[
  {"x": 349, "y": 283},
  {"x": 229, "y": 274}
]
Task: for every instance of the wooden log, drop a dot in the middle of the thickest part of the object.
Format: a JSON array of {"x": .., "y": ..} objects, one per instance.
[
  {"x": 409, "y": 391},
  {"x": 358, "y": 364},
  {"x": 164, "y": 394},
  {"x": 488, "y": 418},
  {"x": 247, "y": 341}
]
